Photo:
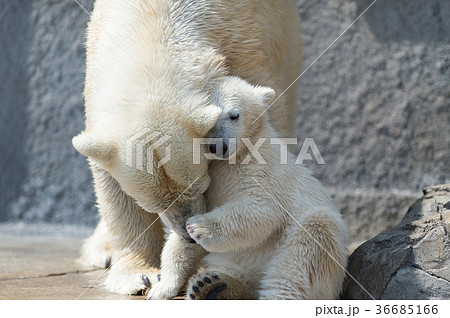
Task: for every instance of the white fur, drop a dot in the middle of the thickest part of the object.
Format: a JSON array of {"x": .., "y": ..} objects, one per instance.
[
  {"x": 97, "y": 250},
  {"x": 273, "y": 228},
  {"x": 153, "y": 64}
]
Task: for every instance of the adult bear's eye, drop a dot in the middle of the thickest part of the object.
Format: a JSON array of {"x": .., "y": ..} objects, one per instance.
[{"x": 234, "y": 114}]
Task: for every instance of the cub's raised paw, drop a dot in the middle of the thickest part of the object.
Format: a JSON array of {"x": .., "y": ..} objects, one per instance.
[
  {"x": 204, "y": 231},
  {"x": 207, "y": 286}
]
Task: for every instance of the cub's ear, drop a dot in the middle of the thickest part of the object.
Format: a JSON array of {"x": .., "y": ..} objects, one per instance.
[
  {"x": 205, "y": 118},
  {"x": 265, "y": 95},
  {"x": 92, "y": 147}
]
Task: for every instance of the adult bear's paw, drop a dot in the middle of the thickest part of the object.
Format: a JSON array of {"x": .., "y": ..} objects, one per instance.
[
  {"x": 96, "y": 250},
  {"x": 127, "y": 280},
  {"x": 164, "y": 289}
]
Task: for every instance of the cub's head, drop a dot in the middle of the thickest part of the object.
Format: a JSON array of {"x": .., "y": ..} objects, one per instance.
[
  {"x": 149, "y": 152},
  {"x": 242, "y": 115}
]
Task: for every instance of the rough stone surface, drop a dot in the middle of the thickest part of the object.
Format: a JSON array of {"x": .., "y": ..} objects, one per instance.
[
  {"x": 368, "y": 212},
  {"x": 412, "y": 261},
  {"x": 376, "y": 104},
  {"x": 41, "y": 109}
]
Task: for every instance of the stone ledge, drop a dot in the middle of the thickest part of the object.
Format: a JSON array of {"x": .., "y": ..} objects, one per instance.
[{"x": 411, "y": 261}]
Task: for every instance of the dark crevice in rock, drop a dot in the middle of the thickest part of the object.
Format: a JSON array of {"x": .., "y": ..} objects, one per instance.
[
  {"x": 431, "y": 274},
  {"x": 403, "y": 262},
  {"x": 445, "y": 228}
]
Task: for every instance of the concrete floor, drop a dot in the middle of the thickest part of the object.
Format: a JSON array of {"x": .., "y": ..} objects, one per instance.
[{"x": 38, "y": 262}]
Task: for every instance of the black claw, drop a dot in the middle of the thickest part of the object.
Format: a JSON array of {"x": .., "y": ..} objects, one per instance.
[
  {"x": 145, "y": 280},
  {"x": 215, "y": 276},
  {"x": 108, "y": 262},
  {"x": 200, "y": 283},
  {"x": 195, "y": 288},
  {"x": 206, "y": 279},
  {"x": 159, "y": 277},
  {"x": 191, "y": 296}
]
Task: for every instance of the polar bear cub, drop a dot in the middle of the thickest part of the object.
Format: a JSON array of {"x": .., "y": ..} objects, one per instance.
[{"x": 273, "y": 231}]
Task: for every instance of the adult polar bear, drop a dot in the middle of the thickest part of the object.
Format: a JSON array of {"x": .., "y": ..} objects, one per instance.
[{"x": 152, "y": 65}]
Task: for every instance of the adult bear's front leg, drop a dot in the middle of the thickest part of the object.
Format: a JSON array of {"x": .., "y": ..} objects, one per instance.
[
  {"x": 137, "y": 237},
  {"x": 179, "y": 260}
]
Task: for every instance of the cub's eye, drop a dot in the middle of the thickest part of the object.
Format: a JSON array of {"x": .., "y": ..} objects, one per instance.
[{"x": 234, "y": 114}]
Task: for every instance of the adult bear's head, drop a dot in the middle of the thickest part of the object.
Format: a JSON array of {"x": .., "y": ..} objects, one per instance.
[{"x": 150, "y": 153}]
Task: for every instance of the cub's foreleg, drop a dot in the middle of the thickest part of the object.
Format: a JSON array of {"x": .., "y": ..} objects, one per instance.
[{"x": 237, "y": 225}]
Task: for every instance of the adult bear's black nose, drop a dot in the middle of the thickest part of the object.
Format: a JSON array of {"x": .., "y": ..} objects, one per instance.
[{"x": 213, "y": 148}]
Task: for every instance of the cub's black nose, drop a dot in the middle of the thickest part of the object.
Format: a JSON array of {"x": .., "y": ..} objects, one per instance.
[
  {"x": 212, "y": 148},
  {"x": 225, "y": 149}
]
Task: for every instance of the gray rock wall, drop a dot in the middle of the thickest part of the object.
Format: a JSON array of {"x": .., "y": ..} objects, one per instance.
[
  {"x": 376, "y": 104},
  {"x": 41, "y": 109}
]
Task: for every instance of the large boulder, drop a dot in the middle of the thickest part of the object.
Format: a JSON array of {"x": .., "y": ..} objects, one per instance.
[{"x": 411, "y": 261}]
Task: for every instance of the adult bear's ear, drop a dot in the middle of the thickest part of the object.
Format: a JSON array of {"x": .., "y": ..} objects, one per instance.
[
  {"x": 265, "y": 95},
  {"x": 92, "y": 147},
  {"x": 205, "y": 118}
]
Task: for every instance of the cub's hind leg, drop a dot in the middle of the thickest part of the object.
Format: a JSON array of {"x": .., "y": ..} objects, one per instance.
[
  {"x": 310, "y": 260},
  {"x": 215, "y": 286},
  {"x": 286, "y": 276}
]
